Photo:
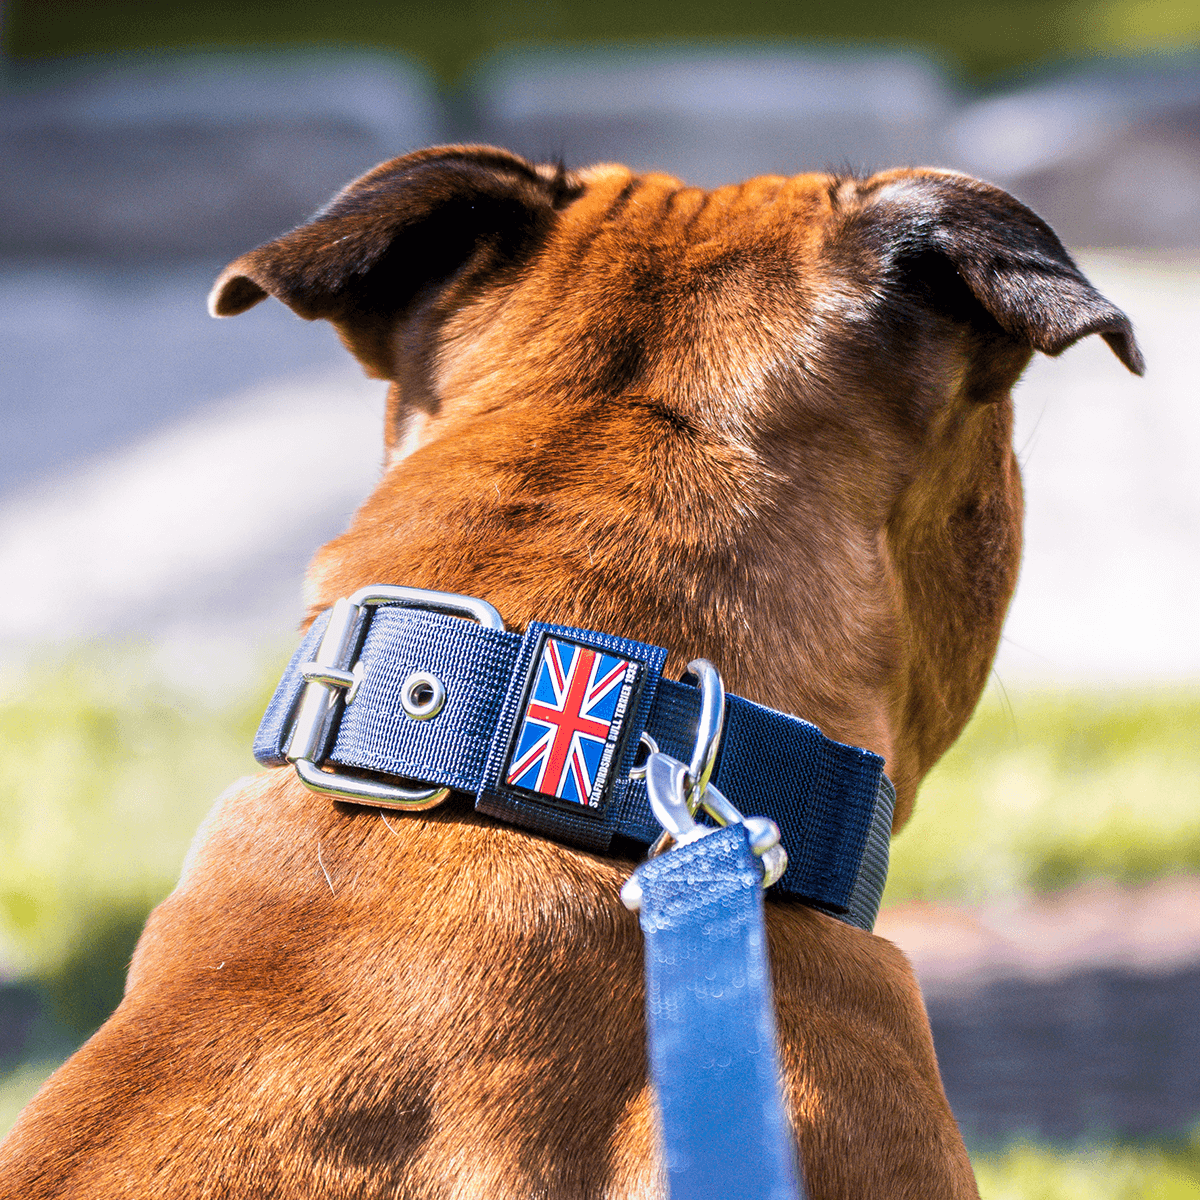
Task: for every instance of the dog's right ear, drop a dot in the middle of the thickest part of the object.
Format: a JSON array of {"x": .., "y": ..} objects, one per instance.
[
  {"x": 395, "y": 238},
  {"x": 1008, "y": 259}
]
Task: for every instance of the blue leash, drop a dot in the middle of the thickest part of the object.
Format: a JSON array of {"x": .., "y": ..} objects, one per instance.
[
  {"x": 710, "y": 1017},
  {"x": 711, "y": 1023}
]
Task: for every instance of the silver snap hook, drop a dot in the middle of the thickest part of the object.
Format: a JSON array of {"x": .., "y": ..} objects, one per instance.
[{"x": 651, "y": 745}]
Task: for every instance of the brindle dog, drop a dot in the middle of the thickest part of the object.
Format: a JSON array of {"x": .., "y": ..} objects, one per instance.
[{"x": 769, "y": 425}]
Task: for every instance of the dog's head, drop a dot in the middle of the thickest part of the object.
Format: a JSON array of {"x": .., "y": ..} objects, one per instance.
[{"x": 768, "y": 424}]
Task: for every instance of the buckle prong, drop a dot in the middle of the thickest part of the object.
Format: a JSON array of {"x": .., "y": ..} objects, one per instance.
[{"x": 332, "y": 676}]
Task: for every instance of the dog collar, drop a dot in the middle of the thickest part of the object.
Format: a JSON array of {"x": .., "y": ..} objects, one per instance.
[{"x": 393, "y": 686}]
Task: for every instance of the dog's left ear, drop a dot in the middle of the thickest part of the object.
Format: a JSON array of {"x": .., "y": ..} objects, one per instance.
[
  {"x": 1008, "y": 257},
  {"x": 394, "y": 240}
]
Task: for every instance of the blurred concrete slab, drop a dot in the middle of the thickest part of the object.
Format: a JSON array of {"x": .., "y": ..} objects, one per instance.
[
  {"x": 717, "y": 116},
  {"x": 178, "y": 472},
  {"x": 203, "y": 154},
  {"x": 166, "y": 476},
  {"x": 1111, "y": 568},
  {"x": 97, "y": 356},
  {"x": 1100, "y": 1053},
  {"x": 1108, "y": 154},
  {"x": 196, "y": 534},
  {"x": 1147, "y": 928}
]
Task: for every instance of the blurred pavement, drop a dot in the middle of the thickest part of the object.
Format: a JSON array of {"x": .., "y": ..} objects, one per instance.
[
  {"x": 1112, "y": 520},
  {"x": 1064, "y": 1017},
  {"x": 179, "y": 472},
  {"x": 170, "y": 474}
]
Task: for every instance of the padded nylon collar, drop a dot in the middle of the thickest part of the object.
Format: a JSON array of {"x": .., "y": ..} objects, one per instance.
[{"x": 832, "y": 802}]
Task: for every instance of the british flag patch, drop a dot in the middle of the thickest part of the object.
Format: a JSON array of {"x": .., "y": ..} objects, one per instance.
[{"x": 569, "y": 730}]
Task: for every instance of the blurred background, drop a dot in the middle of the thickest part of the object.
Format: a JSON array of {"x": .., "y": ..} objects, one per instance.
[{"x": 164, "y": 477}]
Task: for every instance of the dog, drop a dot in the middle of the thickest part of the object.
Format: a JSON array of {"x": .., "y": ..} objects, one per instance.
[{"x": 768, "y": 424}]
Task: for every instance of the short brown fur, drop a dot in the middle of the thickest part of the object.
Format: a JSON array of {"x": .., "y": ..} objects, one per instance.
[{"x": 799, "y": 389}]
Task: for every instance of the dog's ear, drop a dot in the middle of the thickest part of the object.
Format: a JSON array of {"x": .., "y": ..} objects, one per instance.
[
  {"x": 397, "y": 237},
  {"x": 1009, "y": 258}
]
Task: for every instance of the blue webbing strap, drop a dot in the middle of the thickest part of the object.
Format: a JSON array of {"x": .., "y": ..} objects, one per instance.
[
  {"x": 831, "y": 802},
  {"x": 713, "y": 1052}
]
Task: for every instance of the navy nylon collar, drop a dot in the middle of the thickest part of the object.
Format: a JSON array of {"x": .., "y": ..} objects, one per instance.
[{"x": 832, "y": 802}]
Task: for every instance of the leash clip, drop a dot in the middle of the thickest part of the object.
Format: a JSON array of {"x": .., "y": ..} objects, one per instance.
[
  {"x": 676, "y": 791},
  {"x": 710, "y": 726}
]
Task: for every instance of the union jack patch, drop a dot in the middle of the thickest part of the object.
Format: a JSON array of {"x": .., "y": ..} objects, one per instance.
[{"x": 568, "y": 733}]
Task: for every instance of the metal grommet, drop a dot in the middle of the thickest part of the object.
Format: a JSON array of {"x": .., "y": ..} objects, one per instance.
[{"x": 422, "y": 695}]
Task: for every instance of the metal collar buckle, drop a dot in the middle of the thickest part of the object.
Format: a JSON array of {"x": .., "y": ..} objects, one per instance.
[
  {"x": 332, "y": 679},
  {"x": 676, "y": 791}
]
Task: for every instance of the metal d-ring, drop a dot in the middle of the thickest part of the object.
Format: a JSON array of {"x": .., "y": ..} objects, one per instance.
[
  {"x": 709, "y": 728},
  {"x": 708, "y": 731}
]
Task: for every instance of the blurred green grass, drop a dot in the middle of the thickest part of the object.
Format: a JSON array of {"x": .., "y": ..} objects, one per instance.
[
  {"x": 1049, "y": 789},
  {"x": 984, "y": 38},
  {"x": 18, "y": 1087},
  {"x": 1122, "y": 1172},
  {"x": 105, "y": 774}
]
